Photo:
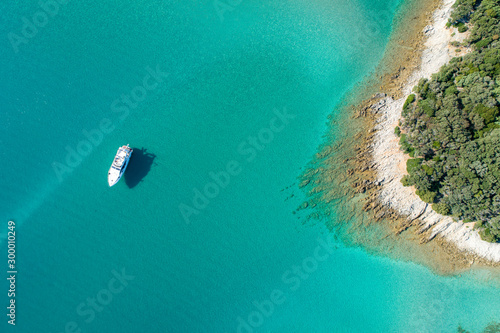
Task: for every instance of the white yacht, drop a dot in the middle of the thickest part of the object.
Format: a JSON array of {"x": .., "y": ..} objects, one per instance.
[{"x": 119, "y": 164}]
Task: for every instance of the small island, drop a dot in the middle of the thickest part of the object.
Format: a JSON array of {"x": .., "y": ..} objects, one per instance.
[
  {"x": 450, "y": 126},
  {"x": 436, "y": 150},
  {"x": 421, "y": 150}
]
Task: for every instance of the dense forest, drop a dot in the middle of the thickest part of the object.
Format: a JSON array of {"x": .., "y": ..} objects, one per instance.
[{"x": 450, "y": 126}]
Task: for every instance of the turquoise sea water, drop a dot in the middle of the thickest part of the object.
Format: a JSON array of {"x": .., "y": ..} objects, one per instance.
[{"x": 225, "y": 75}]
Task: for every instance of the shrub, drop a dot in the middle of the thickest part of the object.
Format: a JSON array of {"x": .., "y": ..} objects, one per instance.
[
  {"x": 492, "y": 12},
  {"x": 462, "y": 28},
  {"x": 487, "y": 236},
  {"x": 425, "y": 106},
  {"x": 422, "y": 86},
  {"x": 492, "y": 230},
  {"x": 462, "y": 10},
  {"x": 413, "y": 164},
  {"x": 407, "y": 148},
  {"x": 406, "y": 181},
  {"x": 488, "y": 114},
  {"x": 397, "y": 131},
  {"x": 451, "y": 90},
  {"x": 428, "y": 170},
  {"x": 441, "y": 208},
  {"x": 483, "y": 43},
  {"x": 426, "y": 196},
  {"x": 409, "y": 100}
]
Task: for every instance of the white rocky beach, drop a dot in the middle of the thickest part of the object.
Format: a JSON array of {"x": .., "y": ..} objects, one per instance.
[{"x": 390, "y": 161}]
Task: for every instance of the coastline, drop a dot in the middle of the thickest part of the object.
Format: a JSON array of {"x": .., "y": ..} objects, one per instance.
[
  {"x": 390, "y": 161},
  {"x": 393, "y": 221}
]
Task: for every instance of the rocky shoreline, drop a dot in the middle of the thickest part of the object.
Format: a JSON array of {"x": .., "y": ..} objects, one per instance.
[
  {"x": 387, "y": 163},
  {"x": 353, "y": 183}
]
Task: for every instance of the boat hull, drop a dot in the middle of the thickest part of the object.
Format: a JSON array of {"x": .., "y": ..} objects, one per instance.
[{"x": 119, "y": 165}]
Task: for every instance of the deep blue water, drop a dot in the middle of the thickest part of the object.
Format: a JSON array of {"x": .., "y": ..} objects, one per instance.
[{"x": 219, "y": 87}]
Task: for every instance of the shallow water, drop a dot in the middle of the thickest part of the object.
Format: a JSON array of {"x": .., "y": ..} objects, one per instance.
[{"x": 240, "y": 96}]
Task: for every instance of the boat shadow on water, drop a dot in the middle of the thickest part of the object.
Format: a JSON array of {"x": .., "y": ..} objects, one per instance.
[{"x": 138, "y": 167}]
